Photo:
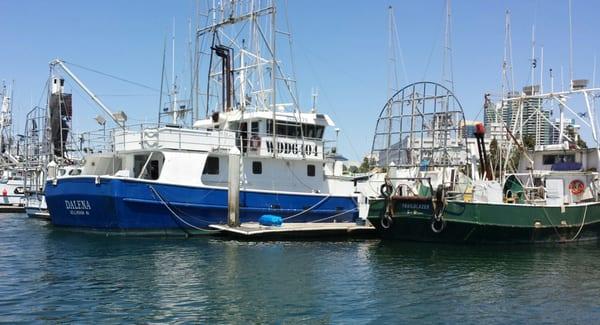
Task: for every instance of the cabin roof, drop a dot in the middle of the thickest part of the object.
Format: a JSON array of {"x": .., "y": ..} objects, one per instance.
[{"x": 308, "y": 118}]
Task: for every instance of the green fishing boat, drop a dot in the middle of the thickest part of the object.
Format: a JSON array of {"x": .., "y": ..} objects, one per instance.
[{"x": 550, "y": 196}]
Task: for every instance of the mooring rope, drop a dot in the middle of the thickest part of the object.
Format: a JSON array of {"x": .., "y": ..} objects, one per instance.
[
  {"x": 582, "y": 223},
  {"x": 306, "y": 210},
  {"x": 335, "y": 215},
  {"x": 177, "y": 216},
  {"x": 550, "y": 221}
]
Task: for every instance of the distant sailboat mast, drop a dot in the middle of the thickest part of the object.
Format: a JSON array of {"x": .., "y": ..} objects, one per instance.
[{"x": 174, "y": 107}]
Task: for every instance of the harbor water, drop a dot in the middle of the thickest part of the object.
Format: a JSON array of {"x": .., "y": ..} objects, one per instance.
[{"x": 55, "y": 276}]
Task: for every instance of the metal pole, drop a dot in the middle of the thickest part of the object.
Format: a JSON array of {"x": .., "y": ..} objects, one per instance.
[{"x": 233, "y": 193}]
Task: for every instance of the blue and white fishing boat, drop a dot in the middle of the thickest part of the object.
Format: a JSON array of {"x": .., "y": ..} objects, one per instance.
[{"x": 174, "y": 178}]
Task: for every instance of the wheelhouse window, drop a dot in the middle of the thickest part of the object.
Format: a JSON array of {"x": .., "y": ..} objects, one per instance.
[
  {"x": 310, "y": 170},
  {"x": 295, "y": 130},
  {"x": 553, "y": 159},
  {"x": 145, "y": 166},
  {"x": 212, "y": 166},
  {"x": 256, "y": 167}
]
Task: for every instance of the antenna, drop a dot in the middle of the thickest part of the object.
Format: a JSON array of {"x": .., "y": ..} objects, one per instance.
[
  {"x": 315, "y": 94},
  {"x": 162, "y": 79}
]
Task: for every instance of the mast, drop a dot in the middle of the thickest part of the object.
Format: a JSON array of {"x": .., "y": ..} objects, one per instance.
[
  {"x": 533, "y": 60},
  {"x": 392, "y": 80},
  {"x": 570, "y": 47},
  {"x": 273, "y": 81},
  {"x": 447, "y": 67},
  {"x": 393, "y": 67},
  {"x": 5, "y": 120},
  {"x": 508, "y": 85},
  {"x": 174, "y": 77}
]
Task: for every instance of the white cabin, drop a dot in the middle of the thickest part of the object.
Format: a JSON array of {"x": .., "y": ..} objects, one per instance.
[{"x": 293, "y": 159}]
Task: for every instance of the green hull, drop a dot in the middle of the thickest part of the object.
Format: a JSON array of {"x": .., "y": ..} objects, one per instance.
[{"x": 489, "y": 223}]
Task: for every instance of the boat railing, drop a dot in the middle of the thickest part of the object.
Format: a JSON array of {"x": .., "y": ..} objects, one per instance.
[
  {"x": 155, "y": 136},
  {"x": 95, "y": 141},
  {"x": 400, "y": 181},
  {"x": 148, "y": 137}
]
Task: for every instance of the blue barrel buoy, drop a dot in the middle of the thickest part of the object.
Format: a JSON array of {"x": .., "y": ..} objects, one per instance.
[{"x": 270, "y": 220}]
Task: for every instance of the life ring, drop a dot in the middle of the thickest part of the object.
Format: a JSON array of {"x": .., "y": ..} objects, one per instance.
[
  {"x": 576, "y": 187},
  {"x": 386, "y": 190},
  {"x": 255, "y": 142}
]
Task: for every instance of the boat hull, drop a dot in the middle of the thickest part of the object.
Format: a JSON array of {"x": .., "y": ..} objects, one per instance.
[
  {"x": 466, "y": 222},
  {"x": 125, "y": 205}
]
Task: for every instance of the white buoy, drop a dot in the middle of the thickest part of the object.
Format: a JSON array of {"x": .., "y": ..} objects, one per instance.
[{"x": 233, "y": 197}]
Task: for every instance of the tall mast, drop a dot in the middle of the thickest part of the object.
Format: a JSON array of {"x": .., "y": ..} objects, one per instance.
[
  {"x": 174, "y": 89},
  {"x": 191, "y": 63},
  {"x": 508, "y": 50},
  {"x": 507, "y": 85},
  {"x": 273, "y": 80},
  {"x": 570, "y": 47},
  {"x": 393, "y": 67},
  {"x": 447, "y": 69},
  {"x": 392, "y": 80},
  {"x": 533, "y": 60}
]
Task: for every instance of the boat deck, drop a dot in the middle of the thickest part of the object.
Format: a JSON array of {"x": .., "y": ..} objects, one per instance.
[{"x": 298, "y": 230}]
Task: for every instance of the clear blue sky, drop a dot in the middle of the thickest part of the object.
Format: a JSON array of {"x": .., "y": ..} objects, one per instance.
[{"x": 340, "y": 47}]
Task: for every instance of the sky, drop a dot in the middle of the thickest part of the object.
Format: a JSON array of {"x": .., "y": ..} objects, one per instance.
[{"x": 339, "y": 48}]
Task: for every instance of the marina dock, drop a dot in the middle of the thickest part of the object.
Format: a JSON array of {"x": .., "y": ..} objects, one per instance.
[{"x": 298, "y": 230}]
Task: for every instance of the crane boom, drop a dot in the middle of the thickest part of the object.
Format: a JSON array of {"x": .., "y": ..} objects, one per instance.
[{"x": 95, "y": 98}]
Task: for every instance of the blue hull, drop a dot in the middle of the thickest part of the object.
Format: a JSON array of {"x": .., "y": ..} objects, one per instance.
[{"x": 126, "y": 205}]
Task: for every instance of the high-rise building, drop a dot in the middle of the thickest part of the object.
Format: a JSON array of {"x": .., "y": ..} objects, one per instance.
[{"x": 533, "y": 120}]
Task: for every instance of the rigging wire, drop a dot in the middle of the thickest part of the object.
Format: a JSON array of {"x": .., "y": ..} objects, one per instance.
[
  {"x": 112, "y": 76},
  {"x": 328, "y": 102},
  {"x": 433, "y": 47}
]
